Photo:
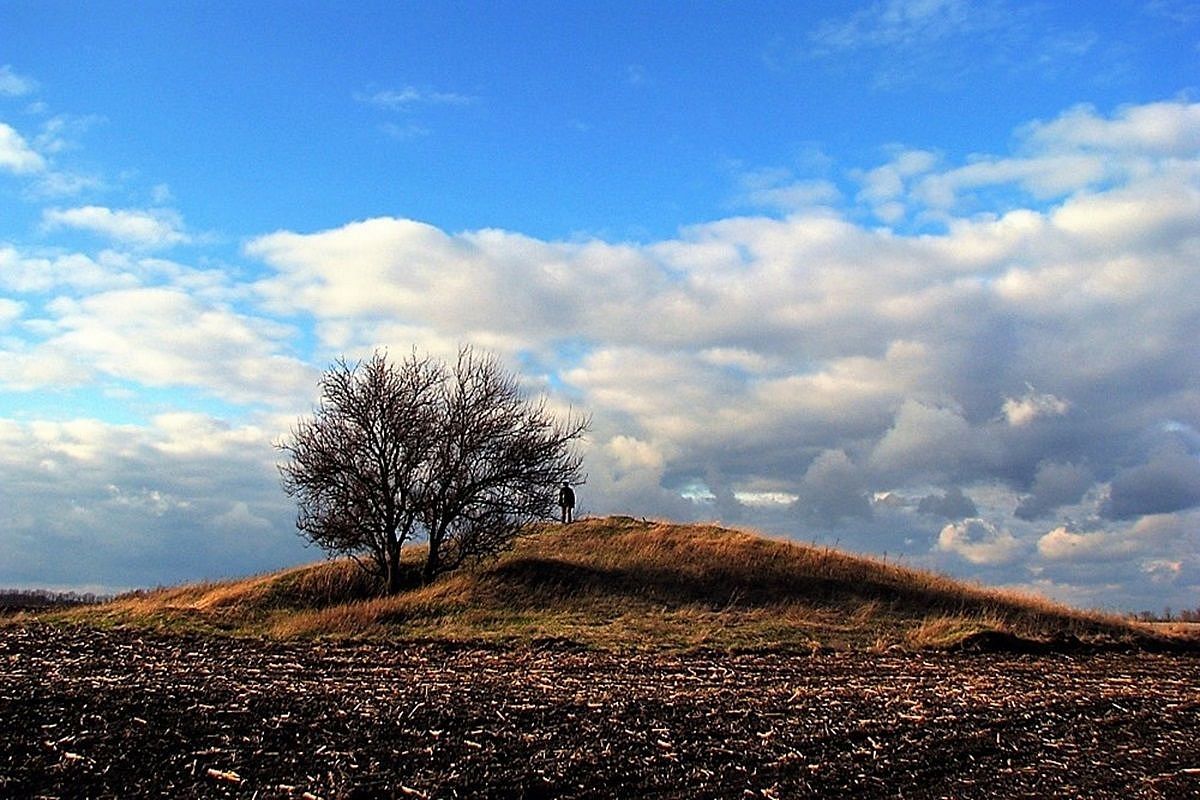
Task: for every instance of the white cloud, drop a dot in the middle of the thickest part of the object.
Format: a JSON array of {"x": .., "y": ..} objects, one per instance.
[
  {"x": 980, "y": 542},
  {"x": 1064, "y": 544},
  {"x": 145, "y": 320},
  {"x": 1161, "y": 129},
  {"x": 15, "y": 153},
  {"x": 1080, "y": 150},
  {"x": 161, "y": 193},
  {"x": 1043, "y": 177},
  {"x": 630, "y": 454},
  {"x": 27, "y": 369},
  {"x": 766, "y": 499},
  {"x": 405, "y": 132},
  {"x": 924, "y": 440},
  {"x": 737, "y": 358},
  {"x": 154, "y": 228},
  {"x": 884, "y": 187},
  {"x": 1021, "y": 411},
  {"x": 14, "y": 85},
  {"x": 148, "y": 501},
  {"x": 25, "y": 273},
  {"x": 1152, "y": 539},
  {"x": 787, "y": 370},
  {"x": 1147, "y": 207},
  {"x": 10, "y": 310},
  {"x": 1163, "y": 570},
  {"x": 165, "y": 337},
  {"x": 833, "y": 488},
  {"x": 736, "y": 354},
  {"x": 778, "y": 189}
]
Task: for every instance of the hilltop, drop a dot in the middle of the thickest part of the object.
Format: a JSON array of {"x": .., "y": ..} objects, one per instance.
[{"x": 621, "y": 583}]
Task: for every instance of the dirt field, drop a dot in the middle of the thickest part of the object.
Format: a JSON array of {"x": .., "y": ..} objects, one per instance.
[{"x": 93, "y": 714}]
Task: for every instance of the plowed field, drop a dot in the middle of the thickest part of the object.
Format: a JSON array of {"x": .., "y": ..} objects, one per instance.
[{"x": 87, "y": 713}]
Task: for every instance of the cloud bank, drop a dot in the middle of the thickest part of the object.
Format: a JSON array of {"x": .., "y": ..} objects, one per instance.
[{"x": 1007, "y": 392}]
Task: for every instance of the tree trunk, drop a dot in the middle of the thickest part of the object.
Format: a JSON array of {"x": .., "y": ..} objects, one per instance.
[
  {"x": 433, "y": 561},
  {"x": 393, "y": 571}
]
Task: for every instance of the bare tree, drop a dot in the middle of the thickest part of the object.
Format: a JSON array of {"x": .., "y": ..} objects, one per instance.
[
  {"x": 418, "y": 449},
  {"x": 496, "y": 467},
  {"x": 356, "y": 467}
]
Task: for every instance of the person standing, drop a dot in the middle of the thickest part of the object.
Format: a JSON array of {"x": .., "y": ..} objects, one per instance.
[{"x": 566, "y": 502}]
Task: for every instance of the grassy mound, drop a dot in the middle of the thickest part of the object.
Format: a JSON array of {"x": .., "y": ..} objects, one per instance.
[{"x": 623, "y": 583}]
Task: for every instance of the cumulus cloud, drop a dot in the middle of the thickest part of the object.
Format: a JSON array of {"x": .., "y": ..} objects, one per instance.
[
  {"x": 885, "y": 188},
  {"x": 1169, "y": 481},
  {"x": 952, "y": 504},
  {"x": 144, "y": 511},
  {"x": 24, "y": 369},
  {"x": 154, "y": 228},
  {"x": 778, "y": 189},
  {"x": 924, "y": 440},
  {"x": 15, "y": 153},
  {"x": 1020, "y": 411},
  {"x": 1043, "y": 176},
  {"x": 1064, "y": 544},
  {"x": 1163, "y": 129},
  {"x": 1079, "y": 150},
  {"x": 165, "y": 337},
  {"x": 756, "y": 357},
  {"x": 240, "y": 519},
  {"x": 26, "y": 273},
  {"x": 833, "y": 488},
  {"x": 9, "y": 310},
  {"x": 1151, "y": 540},
  {"x": 787, "y": 370},
  {"x": 1054, "y": 485},
  {"x": 980, "y": 542}
]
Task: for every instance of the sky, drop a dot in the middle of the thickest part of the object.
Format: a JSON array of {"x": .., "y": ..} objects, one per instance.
[{"x": 909, "y": 277}]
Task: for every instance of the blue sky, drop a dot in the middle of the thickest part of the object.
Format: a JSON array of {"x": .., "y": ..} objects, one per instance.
[
  {"x": 555, "y": 120},
  {"x": 916, "y": 276}
]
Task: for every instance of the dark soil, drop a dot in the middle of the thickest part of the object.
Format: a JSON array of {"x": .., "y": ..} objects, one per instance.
[{"x": 87, "y": 713}]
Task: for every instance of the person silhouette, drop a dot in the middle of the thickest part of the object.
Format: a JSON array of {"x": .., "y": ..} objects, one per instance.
[{"x": 566, "y": 502}]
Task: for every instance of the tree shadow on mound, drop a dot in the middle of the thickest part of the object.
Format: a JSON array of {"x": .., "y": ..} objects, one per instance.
[{"x": 550, "y": 579}]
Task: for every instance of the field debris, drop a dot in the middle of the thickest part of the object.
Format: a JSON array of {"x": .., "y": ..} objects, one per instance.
[{"x": 92, "y": 713}]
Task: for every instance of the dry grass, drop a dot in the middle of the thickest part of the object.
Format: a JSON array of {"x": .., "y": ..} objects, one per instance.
[{"x": 624, "y": 583}]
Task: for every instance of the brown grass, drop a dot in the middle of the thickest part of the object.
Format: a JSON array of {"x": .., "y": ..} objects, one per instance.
[{"x": 624, "y": 583}]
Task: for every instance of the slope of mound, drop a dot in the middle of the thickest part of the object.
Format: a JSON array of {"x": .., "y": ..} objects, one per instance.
[{"x": 620, "y": 582}]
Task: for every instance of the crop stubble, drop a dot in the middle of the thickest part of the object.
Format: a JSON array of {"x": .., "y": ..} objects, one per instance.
[{"x": 90, "y": 713}]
